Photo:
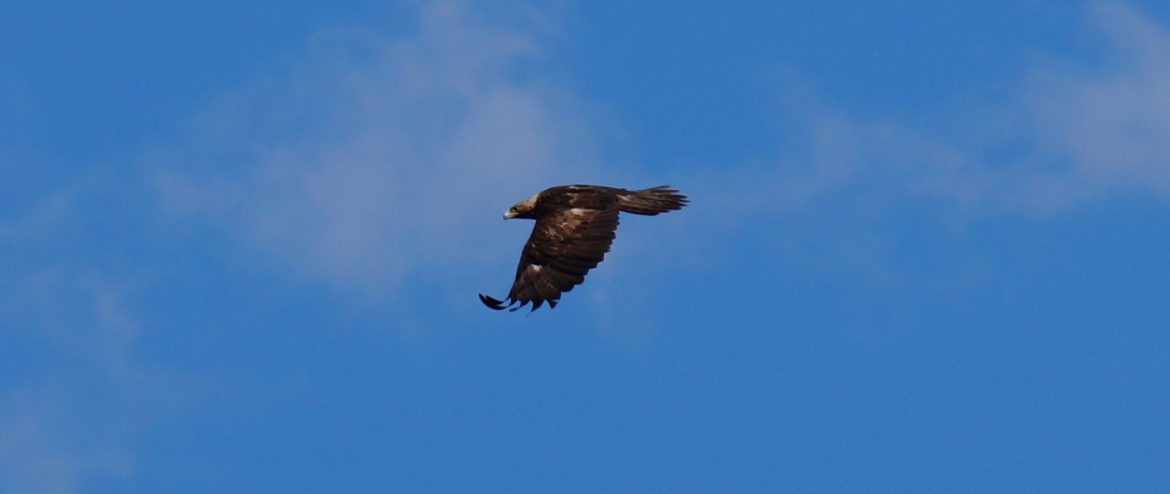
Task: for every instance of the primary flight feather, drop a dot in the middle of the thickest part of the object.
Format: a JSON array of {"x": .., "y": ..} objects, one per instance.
[{"x": 575, "y": 225}]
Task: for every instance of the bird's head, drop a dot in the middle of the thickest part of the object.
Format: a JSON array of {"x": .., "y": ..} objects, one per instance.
[{"x": 522, "y": 209}]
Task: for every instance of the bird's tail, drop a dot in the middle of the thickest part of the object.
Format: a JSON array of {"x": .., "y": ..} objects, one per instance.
[{"x": 651, "y": 201}]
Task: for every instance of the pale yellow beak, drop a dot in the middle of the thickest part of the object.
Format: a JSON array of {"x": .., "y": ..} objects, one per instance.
[{"x": 509, "y": 214}]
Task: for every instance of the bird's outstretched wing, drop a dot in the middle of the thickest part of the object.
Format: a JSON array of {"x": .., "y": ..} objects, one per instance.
[{"x": 563, "y": 247}]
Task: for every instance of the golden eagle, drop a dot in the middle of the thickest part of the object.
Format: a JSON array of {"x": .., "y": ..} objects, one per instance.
[{"x": 575, "y": 225}]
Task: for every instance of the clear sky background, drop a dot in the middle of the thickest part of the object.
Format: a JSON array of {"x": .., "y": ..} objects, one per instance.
[{"x": 928, "y": 248}]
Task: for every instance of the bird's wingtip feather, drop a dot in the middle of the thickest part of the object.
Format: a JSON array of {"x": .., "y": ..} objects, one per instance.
[{"x": 491, "y": 303}]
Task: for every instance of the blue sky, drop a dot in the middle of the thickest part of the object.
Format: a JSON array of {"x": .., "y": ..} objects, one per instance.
[{"x": 926, "y": 250}]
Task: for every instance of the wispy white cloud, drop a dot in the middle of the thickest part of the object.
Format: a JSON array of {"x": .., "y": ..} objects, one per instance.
[
  {"x": 53, "y": 437},
  {"x": 378, "y": 156},
  {"x": 1110, "y": 122},
  {"x": 1073, "y": 131},
  {"x": 843, "y": 193},
  {"x": 46, "y": 448}
]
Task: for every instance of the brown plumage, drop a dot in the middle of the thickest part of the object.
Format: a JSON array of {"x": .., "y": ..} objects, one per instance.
[{"x": 575, "y": 225}]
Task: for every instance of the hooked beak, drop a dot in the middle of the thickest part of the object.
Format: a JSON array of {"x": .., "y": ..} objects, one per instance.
[{"x": 509, "y": 214}]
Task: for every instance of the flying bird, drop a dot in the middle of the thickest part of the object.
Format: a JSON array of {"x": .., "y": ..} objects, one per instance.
[{"x": 575, "y": 225}]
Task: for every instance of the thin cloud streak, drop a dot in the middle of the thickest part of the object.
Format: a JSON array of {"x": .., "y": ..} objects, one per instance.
[
  {"x": 388, "y": 154},
  {"x": 1079, "y": 132},
  {"x": 52, "y": 437},
  {"x": 46, "y": 449},
  {"x": 1111, "y": 124}
]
